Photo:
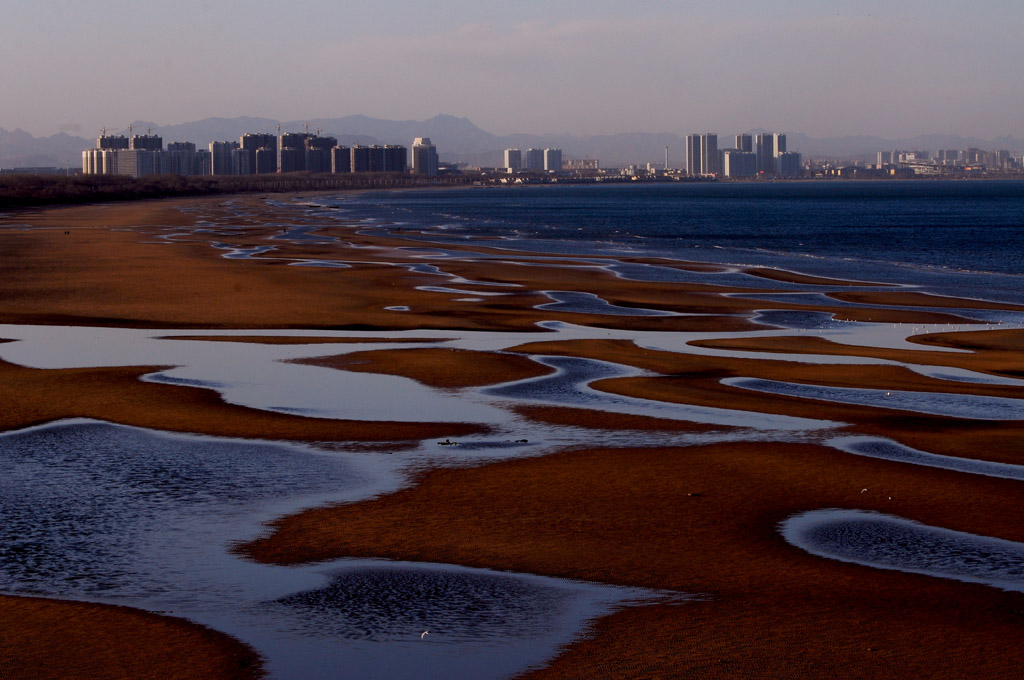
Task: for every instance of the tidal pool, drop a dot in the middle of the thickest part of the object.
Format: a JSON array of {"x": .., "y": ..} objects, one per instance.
[
  {"x": 890, "y": 542},
  {"x": 266, "y": 377},
  {"x": 588, "y": 303},
  {"x": 933, "y": 403},
  {"x": 122, "y": 515},
  {"x": 877, "y": 447},
  {"x": 570, "y": 386}
]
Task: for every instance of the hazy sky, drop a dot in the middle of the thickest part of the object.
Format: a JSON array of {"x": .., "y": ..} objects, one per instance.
[{"x": 825, "y": 68}]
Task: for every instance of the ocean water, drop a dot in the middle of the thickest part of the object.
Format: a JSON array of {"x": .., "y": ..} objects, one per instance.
[{"x": 948, "y": 237}]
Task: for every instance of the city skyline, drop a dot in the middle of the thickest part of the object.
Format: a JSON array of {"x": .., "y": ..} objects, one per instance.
[
  {"x": 254, "y": 154},
  {"x": 599, "y": 67},
  {"x": 764, "y": 155}
]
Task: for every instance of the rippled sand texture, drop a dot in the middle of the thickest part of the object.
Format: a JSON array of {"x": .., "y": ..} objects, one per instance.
[{"x": 828, "y": 471}]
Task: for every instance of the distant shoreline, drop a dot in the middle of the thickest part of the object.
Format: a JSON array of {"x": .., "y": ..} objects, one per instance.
[{"x": 38, "y": 191}]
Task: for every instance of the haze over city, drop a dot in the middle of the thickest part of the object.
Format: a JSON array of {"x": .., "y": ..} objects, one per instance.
[{"x": 595, "y": 67}]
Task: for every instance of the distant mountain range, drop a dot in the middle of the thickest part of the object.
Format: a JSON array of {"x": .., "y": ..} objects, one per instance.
[{"x": 458, "y": 139}]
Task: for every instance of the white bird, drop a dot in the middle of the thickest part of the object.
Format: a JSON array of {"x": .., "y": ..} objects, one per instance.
[{"x": 424, "y": 634}]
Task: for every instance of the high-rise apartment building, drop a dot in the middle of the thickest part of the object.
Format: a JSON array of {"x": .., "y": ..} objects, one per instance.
[
  {"x": 258, "y": 140},
  {"x": 243, "y": 162},
  {"x": 254, "y": 144},
  {"x": 291, "y": 159},
  {"x": 709, "y": 161},
  {"x": 266, "y": 160},
  {"x": 106, "y": 141},
  {"x": 764, "y": 147},
  {"x": 376, "y": 158},
  {"x": 738, "y": 163},
  {"x": 92, "y": 161},
  {"x": 291, "y": 151},
  {"x": 135, "y": 156},
  {"x": 146, "y": 142},
  {"x": 788, "y": 164},
  {"x": 693, "y": 154},
  {"x": 138, "y": 162},
  {"x": 359, "y": 158},
  {"x": 424, "y": 157},
  {"x": 318, "y": 160},
  {"x": 223, "y": 160},
  {"x": 254, "y": 153},
  {"x": 745, "y": 143},
  {"x": 317, "y": 157},
  {"x": 552, "y": 160},
  {"x": 513, "y": 159},
  {"x": 180, "y": 158},
  {"x": 396, "y": 158},
  {"x": 341, "y": 159},
  {"x": 973, "y": 156},
  {"x": 535, "y": 159},
  {"x": 780, "y": 143}
]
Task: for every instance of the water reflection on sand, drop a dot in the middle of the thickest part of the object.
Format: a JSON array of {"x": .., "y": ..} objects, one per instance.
[
  {"x": 890, "y": 542},
  {"x": 145, "y": 519},
  {"x": 266, "y": 377}
]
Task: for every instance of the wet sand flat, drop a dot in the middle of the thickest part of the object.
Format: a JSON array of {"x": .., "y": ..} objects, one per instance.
[
  {"x": 914, "y": 299},
  {"x": 444, "y": 368},
  {"x": 701, "y": 519},
  {"x": 697, "y": 380},
  {"x": 46, "y": 639},
  {"x": 698, "y": 519},
  {"x": 999, "y": 357},
  {"x": 117, "y": 395}
]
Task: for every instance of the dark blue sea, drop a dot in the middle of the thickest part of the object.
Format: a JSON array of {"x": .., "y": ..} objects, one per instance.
[{"x": 961, "y": 238}]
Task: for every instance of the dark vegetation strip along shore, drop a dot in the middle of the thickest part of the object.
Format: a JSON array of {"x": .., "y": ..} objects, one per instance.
[{"x": 18, "y": 191}]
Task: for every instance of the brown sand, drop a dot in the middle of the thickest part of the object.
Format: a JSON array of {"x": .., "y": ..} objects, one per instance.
[
  {"x": 988, "y": 354},
  {"x": 441, "y": 367},
  {"x": 100, "y": 275},
  {"x": 627, "y": 516},
  {"x": 1003, "y": 341},
  {"x": 599, "y": 420},
  {"x": 697, "y": 380},
  {"x": 696, "y": 520},
  {"x": 288, "y": 340},
  {"x": 913, "y": 299},
  {"x": 710, "y": 369},
  {"x": 53, "y": 640},
  {"x": 116, "y": 395},
  {"x": 125, "y": 277},
  {"x": 795, "y": 277}
]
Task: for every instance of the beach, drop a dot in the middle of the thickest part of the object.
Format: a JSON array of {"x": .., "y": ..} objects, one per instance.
[{"x": 675, "y": 469}]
